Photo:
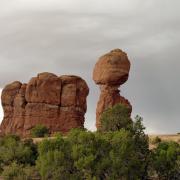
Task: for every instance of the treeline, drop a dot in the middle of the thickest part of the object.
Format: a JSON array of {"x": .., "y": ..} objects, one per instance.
[{"x": 120, "y": 150}]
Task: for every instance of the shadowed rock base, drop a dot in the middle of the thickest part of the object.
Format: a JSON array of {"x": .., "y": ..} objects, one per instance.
[{"x": 108, "y": 98}]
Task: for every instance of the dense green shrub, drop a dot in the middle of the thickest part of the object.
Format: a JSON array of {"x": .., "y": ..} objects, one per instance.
[
  {"x": 156, "y": 140},
  {"x": 13, "y": 171},
  {"x": 13, "y": 149},
  {"x": 16, "y": 171},
  {"x": 39, "y": 131},
  {"x": 87, "y": 155},
  {"x": 122, "y": 154},
  {"x": 120, "y": 151},
  {"x": 116, "y": 152},
  {"x": 141, "y": 145},
  {"x": 115, "y": 118},
  {"x": 15, "y": 155},
  {"x": 166, "y": 160},
  {"x": 54, "y": 161}
]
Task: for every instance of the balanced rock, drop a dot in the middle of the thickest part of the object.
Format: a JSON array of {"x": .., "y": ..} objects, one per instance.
[
  {"x": 111, "y": 71},
  {"x": 59, "y": 103}
]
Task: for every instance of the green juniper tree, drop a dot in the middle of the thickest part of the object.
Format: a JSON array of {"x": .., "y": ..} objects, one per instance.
[{"x": 115, "y": 118}]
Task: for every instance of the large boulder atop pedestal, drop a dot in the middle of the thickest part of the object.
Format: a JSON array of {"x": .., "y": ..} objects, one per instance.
[
  {"x": 111, "y": 71},
  {"x": 112, "y": 68}
]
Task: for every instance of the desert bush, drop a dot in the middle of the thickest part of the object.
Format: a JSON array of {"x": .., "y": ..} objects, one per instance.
[
  {"x": 156, "y": 140},
  {"x": 57, "y": 134},
  {"x": 118, "y": 118},
  {"x": 54, "y": 161},
  {"x": 94, "y": 155},
  {"x": 115, "y": 118},
  {"x": 39, "y": 131},
  {"x": 120, "y": 151},
  {"x": 13, "y": 172},
  {"x": 17, "y": 157},
  {"x": 16, "y": 171},
  {"x": 141, "y": 145},
  {"x": 13, "y": 149},
  {"x": 166, "y": 160}
]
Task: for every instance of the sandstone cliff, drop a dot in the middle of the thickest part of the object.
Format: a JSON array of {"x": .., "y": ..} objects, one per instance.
[{"x": 57, "y": 102}]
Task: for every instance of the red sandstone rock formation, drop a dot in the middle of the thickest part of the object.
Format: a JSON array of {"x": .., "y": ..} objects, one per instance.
[
  {"x": 111, "y": 71},
  {"x": 57, "y": 102}
]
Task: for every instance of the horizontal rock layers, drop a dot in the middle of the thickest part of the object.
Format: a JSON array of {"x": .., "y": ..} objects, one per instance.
[
  {"x": 59, "y": 103},
  {"x": 111, "y": 71}
]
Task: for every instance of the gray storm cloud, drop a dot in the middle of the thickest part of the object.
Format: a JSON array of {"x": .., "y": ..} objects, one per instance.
[{"x": 67, "y": 37}]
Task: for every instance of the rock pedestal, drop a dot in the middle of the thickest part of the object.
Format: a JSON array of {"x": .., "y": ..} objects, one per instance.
[
  {"x": 111, "y": 71},
  {"x": 59, "y": 103}
]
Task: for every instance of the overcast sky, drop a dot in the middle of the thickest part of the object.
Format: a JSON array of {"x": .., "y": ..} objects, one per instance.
[{"x": 68, "y": 36}]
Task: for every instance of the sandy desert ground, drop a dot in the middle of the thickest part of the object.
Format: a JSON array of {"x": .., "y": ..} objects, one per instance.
[{"x": 164, "y": 137}]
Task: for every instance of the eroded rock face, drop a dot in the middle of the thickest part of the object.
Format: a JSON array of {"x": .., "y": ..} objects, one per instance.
[
  {"x": 57, "y": 102},
  {"x": 111, "y": 71}
]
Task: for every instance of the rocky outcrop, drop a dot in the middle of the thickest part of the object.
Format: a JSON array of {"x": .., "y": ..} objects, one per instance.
[
  {"x": 111, "y": 71},
  {"x": 57, "y": 102}
]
